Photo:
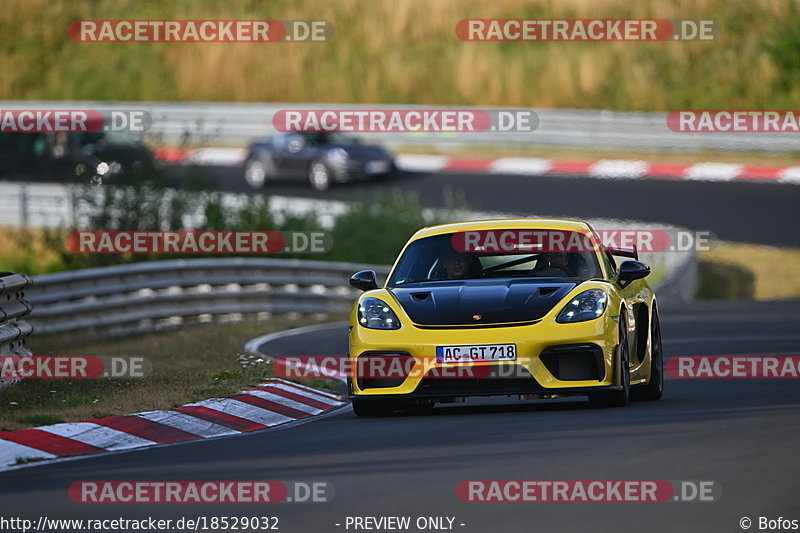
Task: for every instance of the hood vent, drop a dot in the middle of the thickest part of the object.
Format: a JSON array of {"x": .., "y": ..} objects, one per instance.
[{"x": 453, "y": 303}]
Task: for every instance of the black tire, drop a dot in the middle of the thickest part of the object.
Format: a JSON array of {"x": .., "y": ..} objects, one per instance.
[
  {"x": 655, "y": 387},
  {"x": 390, "y": 174},
  {"x": 372, "y": 408},
  {"x": 621, "y": 397},
  {"x": 257, "y": 173},
  {"x": 319, "y": 175}
]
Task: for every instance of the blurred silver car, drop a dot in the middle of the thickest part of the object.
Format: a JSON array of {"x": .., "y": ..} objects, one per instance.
[{"x": 321, "y": 158}]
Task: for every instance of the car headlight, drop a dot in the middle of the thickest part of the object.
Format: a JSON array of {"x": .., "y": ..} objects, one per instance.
[
  {"x": 338, "y": 156},
  {"x": 587, "y": 305},
  {"x": 375, "y": 314}
]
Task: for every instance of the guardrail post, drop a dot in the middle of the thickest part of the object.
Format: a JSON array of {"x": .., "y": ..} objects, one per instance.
[
  {"x": 14, "y": 309},
  {"x": 23, "y": 205}
]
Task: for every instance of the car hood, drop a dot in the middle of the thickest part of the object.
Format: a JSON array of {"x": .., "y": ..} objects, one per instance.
[{"x": 473, "y": 302}]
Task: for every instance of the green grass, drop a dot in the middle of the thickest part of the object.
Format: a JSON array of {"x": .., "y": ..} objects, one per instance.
[
  {"x": 187, "y": 366},
  {"x": 41, "y": 420},
  {"x": 407, "y": 52},
  {"x": 734, "y": 270}
]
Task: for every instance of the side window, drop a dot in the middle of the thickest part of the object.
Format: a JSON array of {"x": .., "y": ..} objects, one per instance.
[
  {"x": 611, "y": 265},
  {"x": 279, "y": 142}
]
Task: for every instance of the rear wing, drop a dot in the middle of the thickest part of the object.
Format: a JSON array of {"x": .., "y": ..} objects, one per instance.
[{"x": 623, "y": 252}]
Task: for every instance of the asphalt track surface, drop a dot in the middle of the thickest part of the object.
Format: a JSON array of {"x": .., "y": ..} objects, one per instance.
[
  {"x": 742, "y": 433},
  {"x": 764, "y": 213}
]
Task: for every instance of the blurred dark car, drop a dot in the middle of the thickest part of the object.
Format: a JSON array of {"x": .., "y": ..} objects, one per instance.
[
  {"x": 75, "y": 155},
  {"x": 321, "y": 158},
  {"x": 115, "y": 154}
]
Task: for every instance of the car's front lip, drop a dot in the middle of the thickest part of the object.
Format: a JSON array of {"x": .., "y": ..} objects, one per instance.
[
  {"x": 531, "y": 341},
  {"x": 470, "y": 393}
]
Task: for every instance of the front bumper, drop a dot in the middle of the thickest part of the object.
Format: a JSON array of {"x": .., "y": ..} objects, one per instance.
[{"x": 552, "y": 359}]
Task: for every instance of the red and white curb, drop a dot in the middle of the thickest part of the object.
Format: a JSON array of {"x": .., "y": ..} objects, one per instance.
[
  {"x": 269, "y": 404},
  {"x": 529, "y": 166}
]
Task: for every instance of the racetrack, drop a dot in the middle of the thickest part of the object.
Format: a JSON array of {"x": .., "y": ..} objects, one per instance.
[
  {"x": 741, "y": 433},
  {"x": 763, "y": 213}
]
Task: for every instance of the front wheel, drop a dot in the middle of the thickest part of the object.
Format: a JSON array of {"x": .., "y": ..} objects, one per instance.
[
  {"x": 372, "y": 407},
  {"x": 621, "y": 397},
  {"x": 319, "y": 175},
  {"x": 256, "y": 173}
]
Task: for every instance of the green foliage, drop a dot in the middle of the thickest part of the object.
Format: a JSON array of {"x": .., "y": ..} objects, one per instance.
[
  {"x": 369, "y": 230},
  {"x": 41, "y": 420},
  {"x": 374, "y": 231},
  {"x": 719, "y": 280}
]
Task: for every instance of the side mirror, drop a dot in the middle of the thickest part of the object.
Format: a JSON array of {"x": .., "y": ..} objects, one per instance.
[
  {"x": 630, "y": 271},
  {"x": 364, "y": 280}
]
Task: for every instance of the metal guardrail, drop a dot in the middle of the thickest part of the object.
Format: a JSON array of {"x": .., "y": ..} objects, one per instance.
[
  {"x": 14, "y": 309},
  {"x": 233, "y": 124},
  {"x": 142, "y": 297}
]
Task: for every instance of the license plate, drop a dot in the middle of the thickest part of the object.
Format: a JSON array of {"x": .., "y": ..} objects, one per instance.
[
  {"x": 376, "y": 167},
  {"x": 471, "y": 354}
]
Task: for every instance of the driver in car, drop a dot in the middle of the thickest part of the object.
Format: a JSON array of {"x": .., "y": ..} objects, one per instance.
[
  {"x": 459, "y": 266},
  {"x": 554, "y": 264}
]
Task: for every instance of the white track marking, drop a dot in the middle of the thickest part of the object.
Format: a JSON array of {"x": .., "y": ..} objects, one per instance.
[
  {"x": 288, "y": 388},
  {"x": 421, "y": 163},
  {"x": 97, "y": 435},
  {"x": 282, "y": 400},
  {"x": 618, "y": 169},
  {"x": 11, "y": 451},
  {"x": 790, "y": 175},
  {"x": 244, "y": 410},
  {"x": 520, "y": 165},
  {"x": 712, "y": 172},
  {"x": 188, "y": 423}
]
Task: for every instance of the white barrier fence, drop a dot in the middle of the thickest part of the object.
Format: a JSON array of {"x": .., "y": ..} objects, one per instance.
[{"x": 234, "y": 124}]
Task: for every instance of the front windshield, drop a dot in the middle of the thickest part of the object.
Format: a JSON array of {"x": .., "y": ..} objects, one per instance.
[{"x": 435, "y": 259}]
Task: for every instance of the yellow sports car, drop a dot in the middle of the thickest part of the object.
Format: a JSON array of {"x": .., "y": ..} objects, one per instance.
[{"x": 534, "y": 308}]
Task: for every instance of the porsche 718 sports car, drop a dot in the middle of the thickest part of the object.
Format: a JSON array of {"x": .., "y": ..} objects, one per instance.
[
  {"x": 485, "y": 309},
  {"x": 321, "y": 158}
]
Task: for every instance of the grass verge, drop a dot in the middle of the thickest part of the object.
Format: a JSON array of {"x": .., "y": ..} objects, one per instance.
[
  {"x": 187, "y": 366},
  {"x": 408, "y": 52},
  {"x": 735, "y": 270}
]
